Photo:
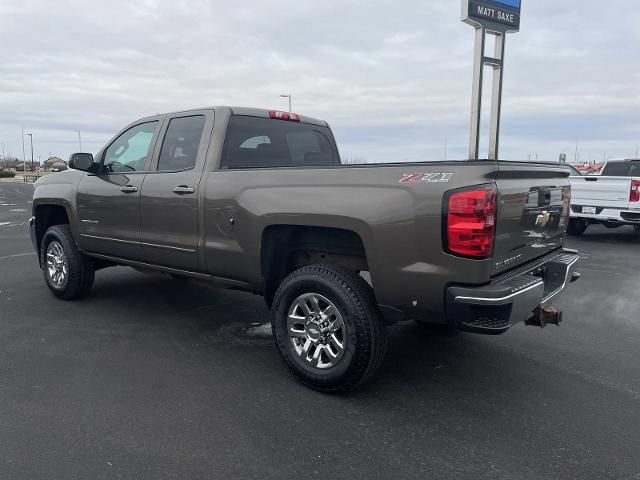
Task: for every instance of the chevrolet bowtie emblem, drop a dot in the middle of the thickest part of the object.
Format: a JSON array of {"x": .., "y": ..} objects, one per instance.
[{"x": 543, "y": 219}]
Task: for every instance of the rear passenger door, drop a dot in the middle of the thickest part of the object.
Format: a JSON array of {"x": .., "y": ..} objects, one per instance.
[{"x": 169, "y": 205}]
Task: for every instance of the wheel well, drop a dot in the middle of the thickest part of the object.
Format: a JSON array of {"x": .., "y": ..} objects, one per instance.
[
  {"x": 286, "y": 248},
  {"x": 46, "y": 217}
]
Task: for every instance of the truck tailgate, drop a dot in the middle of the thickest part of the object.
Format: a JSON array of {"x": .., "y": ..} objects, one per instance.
[
  {"x": 533, "y": 211},
  {"x": 595, "y": 191}
]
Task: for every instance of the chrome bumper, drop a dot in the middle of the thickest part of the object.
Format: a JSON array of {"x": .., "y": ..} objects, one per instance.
[{"x": 511, "y": 299}]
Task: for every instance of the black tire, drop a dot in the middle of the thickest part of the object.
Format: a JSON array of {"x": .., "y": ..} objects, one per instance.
[
  {"x": 80, "y": 269},
  {"x": 637, "y": 227},
  {"x": 365, "y": 331},
  {"x": 577, "y": 227}
]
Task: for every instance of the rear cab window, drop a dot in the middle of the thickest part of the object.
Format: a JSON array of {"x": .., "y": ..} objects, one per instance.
[
  {"x": 254, "y": 142},
  {"x": 621, "y": 169}
]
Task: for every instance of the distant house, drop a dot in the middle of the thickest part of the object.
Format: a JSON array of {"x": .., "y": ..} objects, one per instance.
[
  {"x": 54, "y": 163},
  {"x": 31, "y": 167},
  {"x": 10, "y": 165}
]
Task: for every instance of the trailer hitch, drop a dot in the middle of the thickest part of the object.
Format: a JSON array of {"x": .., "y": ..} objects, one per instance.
[{"x": 544, "y": 316}]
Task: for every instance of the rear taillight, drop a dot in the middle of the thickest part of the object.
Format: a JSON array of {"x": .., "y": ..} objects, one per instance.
[
  {"x": 471, "y": 222},
  {"x": 291, "y": 117},
  {"x": 634, "y": 196}
]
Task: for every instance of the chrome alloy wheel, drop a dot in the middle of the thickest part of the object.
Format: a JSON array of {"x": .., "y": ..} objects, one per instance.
[
  {"x": 317, "y": 331},
  {"x": 57, "y": 266}
]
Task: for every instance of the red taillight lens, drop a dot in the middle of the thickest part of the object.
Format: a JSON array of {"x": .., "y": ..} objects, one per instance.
[
  {"x": 291, "y": 117},
  {"x": 634, "y": 196},
  {"x": 471, "y": 222}
]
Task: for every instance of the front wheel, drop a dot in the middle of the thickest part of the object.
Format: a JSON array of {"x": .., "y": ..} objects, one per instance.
[
  {"x": 328, "y": 328},
  {"x": 577, "y": 227},
  {"x": 68, "y": 272}
]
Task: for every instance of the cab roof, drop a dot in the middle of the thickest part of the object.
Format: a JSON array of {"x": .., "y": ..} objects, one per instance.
[{"x": 246, "y": 111}]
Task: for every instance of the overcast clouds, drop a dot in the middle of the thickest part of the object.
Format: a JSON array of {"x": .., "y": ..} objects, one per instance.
[{"x": 392, "y": 77}]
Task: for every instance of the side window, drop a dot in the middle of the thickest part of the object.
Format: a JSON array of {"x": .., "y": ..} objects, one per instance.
[
  {"x": 129, "y": 152},
  {"x": 181, "y": 142}
]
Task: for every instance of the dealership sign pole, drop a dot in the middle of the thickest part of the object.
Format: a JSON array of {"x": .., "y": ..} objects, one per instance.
[{"x": 497, "y": 18}]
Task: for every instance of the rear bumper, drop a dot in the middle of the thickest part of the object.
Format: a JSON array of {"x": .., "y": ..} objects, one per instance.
[
  {"x": 609, "y": 215},
  {"x": 511, "y": 299}
]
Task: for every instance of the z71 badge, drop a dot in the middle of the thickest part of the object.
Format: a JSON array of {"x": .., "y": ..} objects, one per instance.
[{"x": 421, "y": 177}]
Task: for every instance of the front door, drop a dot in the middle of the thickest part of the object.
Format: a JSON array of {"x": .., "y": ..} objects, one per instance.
[
  {"x": 109, "y": 202},
  {"x": 169, "y": 206}
]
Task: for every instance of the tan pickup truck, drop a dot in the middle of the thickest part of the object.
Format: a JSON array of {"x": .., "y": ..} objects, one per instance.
[{"x": 259, "y": 201}]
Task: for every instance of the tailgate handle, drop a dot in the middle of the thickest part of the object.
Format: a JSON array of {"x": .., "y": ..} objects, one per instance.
[{"x": 184, "y": 190}]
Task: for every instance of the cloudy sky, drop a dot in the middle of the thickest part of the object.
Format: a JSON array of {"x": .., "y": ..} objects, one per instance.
[{"x": 392, "y": 77}]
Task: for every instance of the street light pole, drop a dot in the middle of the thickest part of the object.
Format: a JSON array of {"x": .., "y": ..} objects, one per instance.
[
  {"x": 24, "y": 154},
  {"x": 31, "y": 137},
  {"x": 289, "y": 97},
  {"x": 79, "y": 139}
]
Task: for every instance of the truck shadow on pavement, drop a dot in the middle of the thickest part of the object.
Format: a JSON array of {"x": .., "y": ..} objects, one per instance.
[
  {"x": 599, "y": 234},
  {"x": 195, "y": 318}
]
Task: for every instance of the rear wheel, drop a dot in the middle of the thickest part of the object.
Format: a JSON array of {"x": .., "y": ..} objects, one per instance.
[
  {"x": 69, "y": 274},
  {"x": 328, "y": 328},
  {"x": 577, "y": 227},
  {"x": 637, "y": 227}
]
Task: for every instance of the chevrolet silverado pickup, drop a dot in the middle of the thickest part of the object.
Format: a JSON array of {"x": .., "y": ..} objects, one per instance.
[
  {"x": 611, "y": 199},
  {"x": 259, "y": 201}
]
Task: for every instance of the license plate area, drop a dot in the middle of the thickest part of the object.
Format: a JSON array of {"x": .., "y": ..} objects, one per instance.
[{"x": 589, "y": 210}]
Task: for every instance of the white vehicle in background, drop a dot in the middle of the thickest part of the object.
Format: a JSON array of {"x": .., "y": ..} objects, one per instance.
[{"x": 611, "y": 198}]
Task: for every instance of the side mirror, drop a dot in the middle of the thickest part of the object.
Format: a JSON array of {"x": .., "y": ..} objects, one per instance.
[{"x": 81, "y": 161}]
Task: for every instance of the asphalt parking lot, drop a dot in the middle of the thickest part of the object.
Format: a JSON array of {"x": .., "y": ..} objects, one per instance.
[{"x": 151, "y": 378}]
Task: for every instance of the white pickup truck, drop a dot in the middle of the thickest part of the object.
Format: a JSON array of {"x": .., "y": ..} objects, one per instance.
[{"x": 611, "y": 198}]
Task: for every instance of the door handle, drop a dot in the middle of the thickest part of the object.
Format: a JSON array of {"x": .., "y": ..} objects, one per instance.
[
  {"x": 129, "y": 189},
  {"x": 184, "y": 190}
]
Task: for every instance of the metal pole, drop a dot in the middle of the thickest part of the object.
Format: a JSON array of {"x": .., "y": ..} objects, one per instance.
[
  {"x": 24, "y": 154},
  {"x": 79, "y": 139},
  {"x": 496, "y": 97},
  {"x": 476, "y": 94},
  {"x": 31, "y": 136}
]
